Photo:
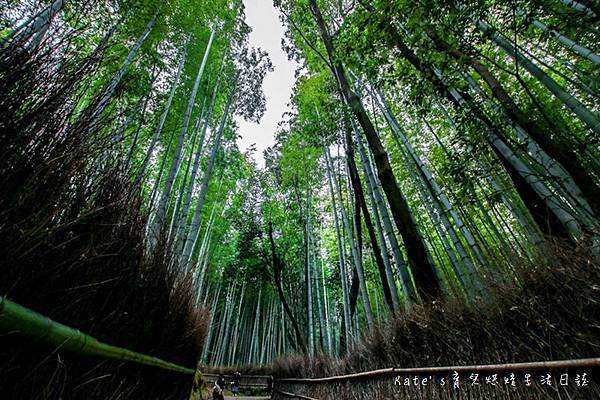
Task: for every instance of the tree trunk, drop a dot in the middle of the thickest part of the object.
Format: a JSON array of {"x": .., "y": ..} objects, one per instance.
[
  {"x": 521, "y": 216},
  {"x": 440, "y": 220},
  {"x": 555, "y": 146},
  {"x": 141, "y": 122},
  {"x": 355, "y": 254},
  {"x": 184, "y": 180},
  {"x": 341, "y": 254},
  {"x": 192, "y": 236},
  {"x": 554, "y": 207},
  {"x": 209, "y": 335},
  {"x": 32, "y": 26},
  {"x": 277, "y": 268},
  {"x": 162, "y": 205},
  {"x": 579, "y": 7},
  {"x": 308, "y": 273},
  {"x": 568, "y": 43},
  {"x": 407, "y": 286},
  {"x": 508, "y": 157},
  {"x": 365, "y": 162},
  {"x": 422, "y": 269},
  {"x": 109, "y": 90},
  {"x": 580, "y": 110},
  {"x": 559, "y": 177},
  {"x": 236, "y": 331},
  {"x": 326, "y": 309},
  {"x": 188, "y": 199},
  {"x": 161, "y": 123},
  {"x": 435, "y": 77},
  {"x": 320, "y": 302},
  {"x": 437, "y": 194},
  {"x": 386, "y": 281}
]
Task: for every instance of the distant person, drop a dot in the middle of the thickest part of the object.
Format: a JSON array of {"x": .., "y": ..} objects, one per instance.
[
  {"x": 235, "y": 383},
  {"x": 219, "y": 388}
]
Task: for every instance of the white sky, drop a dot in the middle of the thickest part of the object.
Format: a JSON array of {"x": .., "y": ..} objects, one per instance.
[{"x": 266, "y": 33}]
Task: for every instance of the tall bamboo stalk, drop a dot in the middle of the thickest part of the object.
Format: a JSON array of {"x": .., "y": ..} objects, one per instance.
[{"x": 16, "y": 318}]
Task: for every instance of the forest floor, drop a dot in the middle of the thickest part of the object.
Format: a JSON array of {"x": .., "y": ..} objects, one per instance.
[
  {"x": 228, "y": 396},
  {"x": 246, "y": 398}
]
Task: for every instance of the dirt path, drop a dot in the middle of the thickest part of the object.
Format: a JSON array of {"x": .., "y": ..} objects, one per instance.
[{"x": 246, "y": 398}]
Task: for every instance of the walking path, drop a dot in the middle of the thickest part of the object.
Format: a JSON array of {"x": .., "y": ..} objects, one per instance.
[{"x": 246, "y": 398}]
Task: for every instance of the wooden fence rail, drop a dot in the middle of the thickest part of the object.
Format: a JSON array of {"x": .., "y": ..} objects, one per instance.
[
  {"x": 293, "y": 395},
  {"x": 247, "y": 381},
  {"x": 511, "y": 367},
  {"x": 17, "y": 319},
  {"x": 443, "y": 382}
]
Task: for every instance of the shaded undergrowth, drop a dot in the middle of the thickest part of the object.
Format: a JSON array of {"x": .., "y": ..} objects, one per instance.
[{"x": 72, "y": 245}]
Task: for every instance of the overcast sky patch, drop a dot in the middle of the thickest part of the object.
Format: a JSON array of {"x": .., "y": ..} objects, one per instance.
[{"x": 267, "y": 33}]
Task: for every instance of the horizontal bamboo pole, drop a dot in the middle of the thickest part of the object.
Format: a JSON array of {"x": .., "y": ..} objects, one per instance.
[
  {"x": 293, "y": 395},
  {"x": 513, "y": 367},
  {"x": 21, "y": 320},
  {"x": 247, "y": 381},
  {"x": 255, "y": 377}
]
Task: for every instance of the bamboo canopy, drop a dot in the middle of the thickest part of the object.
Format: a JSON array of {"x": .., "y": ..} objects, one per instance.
[{"x": 16, "y": 318}]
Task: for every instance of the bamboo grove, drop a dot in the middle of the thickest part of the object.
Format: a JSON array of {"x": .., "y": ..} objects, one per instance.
[
  {"x": 430, "y": 146},
  {"x": 118, "y": 145}
]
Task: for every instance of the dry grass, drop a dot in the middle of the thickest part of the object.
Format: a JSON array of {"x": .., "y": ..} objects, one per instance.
[{"x": 550, "y": 311}]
